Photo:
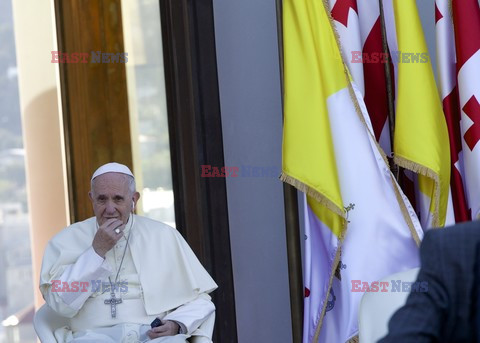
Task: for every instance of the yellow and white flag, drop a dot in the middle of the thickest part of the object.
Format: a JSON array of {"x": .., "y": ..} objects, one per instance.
[
  {"x": 421, "y": 142},
  {"x": 359, "y": 226}
]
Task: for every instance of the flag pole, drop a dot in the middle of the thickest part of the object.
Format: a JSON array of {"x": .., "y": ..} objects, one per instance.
[
  {"x": 292, "y": 226},
  {"x": 388, "y": 79}
]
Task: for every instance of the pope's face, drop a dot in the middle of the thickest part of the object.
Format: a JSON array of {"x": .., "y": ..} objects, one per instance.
[{"x": 112, "y": 198}]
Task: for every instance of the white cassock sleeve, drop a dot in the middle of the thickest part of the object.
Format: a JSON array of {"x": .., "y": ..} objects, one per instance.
[
  {"x": 192, "y": 314},
  {"x": 89, "y": 266}
]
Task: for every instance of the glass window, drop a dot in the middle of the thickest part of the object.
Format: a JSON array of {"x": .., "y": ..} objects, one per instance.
[
  {"x": 16, "y": 279},
  {"x": 148, "y": 109}
]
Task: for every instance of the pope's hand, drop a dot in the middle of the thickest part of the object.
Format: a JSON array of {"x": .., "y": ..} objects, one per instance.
[
  {"x": 106, "y": 237},
  {"x": 168, "y": 328}
]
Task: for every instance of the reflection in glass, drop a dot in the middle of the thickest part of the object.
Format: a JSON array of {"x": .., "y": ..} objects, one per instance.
[
  {"x": 16, "y": 284},
  {"x": 147, "y": 107}
]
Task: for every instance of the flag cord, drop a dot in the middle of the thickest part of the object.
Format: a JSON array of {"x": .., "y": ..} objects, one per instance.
[{"x": 292, "y": 222}]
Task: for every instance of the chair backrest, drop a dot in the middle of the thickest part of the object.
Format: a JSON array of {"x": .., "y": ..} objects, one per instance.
[
  {"x": 46, "y": 321},
  {"x": 376, "y": 308}
]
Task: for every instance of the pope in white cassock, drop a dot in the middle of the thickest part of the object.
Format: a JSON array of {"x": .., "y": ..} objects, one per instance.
[{"x": 115, "y": 273}]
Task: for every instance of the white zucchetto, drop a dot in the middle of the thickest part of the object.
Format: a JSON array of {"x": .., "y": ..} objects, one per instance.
[{"x": 112, "y": 167}]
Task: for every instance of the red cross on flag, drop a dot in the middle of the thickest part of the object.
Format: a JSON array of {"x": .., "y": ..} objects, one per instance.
[
  {"x": 341, "y": 9},
  {"x": 359, "y": 30},
  {"x": 472, "y": 110},
  {"x": 458, "y": 41},
  {"x": 466, "y": 19},
  {"x": 447, "y": 71}
]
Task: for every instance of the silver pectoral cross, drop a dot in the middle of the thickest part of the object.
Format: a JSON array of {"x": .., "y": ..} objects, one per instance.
[{"x": 113, "y": 304}]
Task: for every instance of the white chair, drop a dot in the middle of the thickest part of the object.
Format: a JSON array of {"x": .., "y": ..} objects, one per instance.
[
  {"x": 376, "y": 308},
  {"x": 46, "y": 321}
]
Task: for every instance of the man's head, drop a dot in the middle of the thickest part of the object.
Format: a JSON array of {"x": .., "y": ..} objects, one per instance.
[{"x": 113, "y": 193}]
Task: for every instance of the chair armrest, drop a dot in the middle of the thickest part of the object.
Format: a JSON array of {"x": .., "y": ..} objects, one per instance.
[
  {"x": 45, "y": 322},
  {"x": 376, "y": 308}
]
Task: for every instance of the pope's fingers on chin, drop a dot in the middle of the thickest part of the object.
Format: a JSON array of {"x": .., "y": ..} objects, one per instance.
[
  {"x": 108, "y": 222},
  {"x": 114, "y": 230},
  {"x": 115, "y": 223}
]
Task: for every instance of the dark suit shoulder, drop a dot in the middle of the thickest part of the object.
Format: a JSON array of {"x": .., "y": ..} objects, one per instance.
[
  {"x": 444, "y": 313},
  {"x": 467, "y": 233}
]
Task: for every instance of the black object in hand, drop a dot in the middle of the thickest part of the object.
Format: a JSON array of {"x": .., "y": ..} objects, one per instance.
[{"x": 155, "y": 323}]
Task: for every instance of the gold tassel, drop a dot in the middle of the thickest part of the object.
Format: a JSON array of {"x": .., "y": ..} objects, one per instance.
[
  {"x": 419, "y": 169},
  {"x": 404, "y": 210},
  {"x": 322, "y": 199},
  {"x": 330, "y": 282},
  {"x": 354, "y": 339}
]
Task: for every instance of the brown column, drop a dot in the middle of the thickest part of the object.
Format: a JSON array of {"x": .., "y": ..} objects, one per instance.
[{"x": 94, "y": 95}]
